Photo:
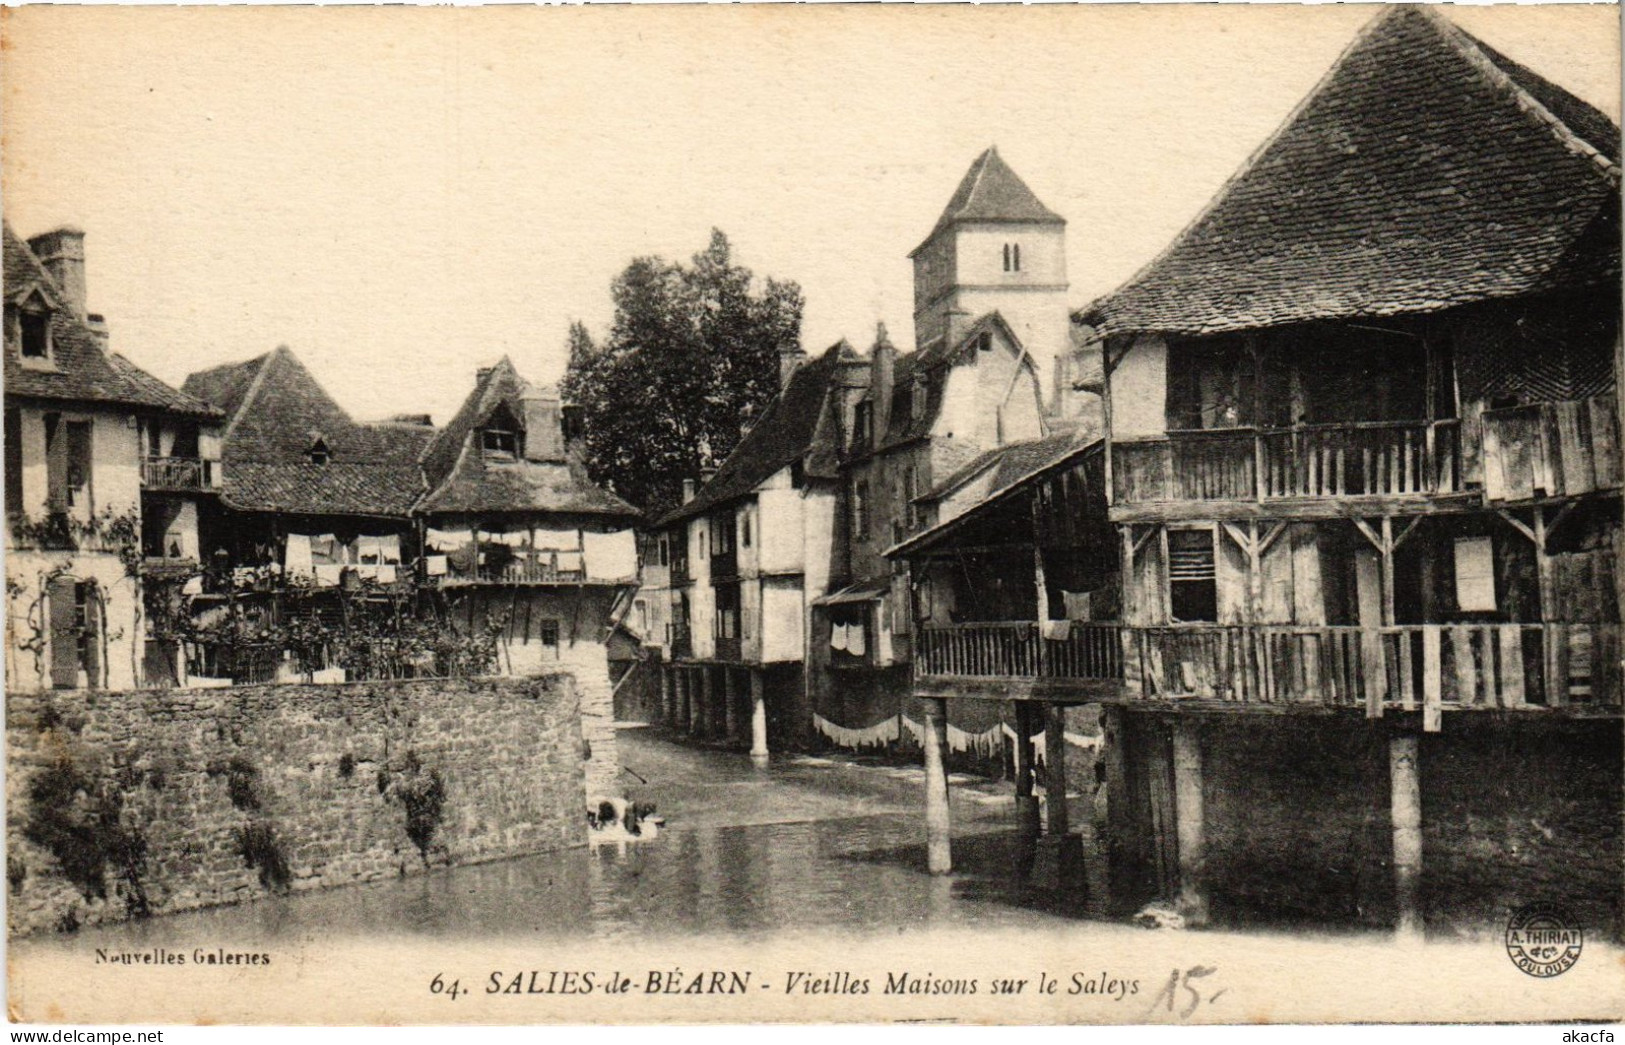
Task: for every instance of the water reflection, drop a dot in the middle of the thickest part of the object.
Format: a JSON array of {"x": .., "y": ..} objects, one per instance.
[{"x": 811, "y": 864}]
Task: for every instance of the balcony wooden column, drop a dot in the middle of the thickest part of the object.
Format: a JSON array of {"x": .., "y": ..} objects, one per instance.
[
  {"x": 1188, "y": 822},
  {"x": 939, "y": 856},
  {"x": 758, "y": 718},
  {"x": 680, "y": 679},
  {"x": 705, "y": 715},
  {"x": 668, "y": 695},
  {"x": 1405, "y": 790}
]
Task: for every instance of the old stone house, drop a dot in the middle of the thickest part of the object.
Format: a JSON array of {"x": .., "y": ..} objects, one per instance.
[
  {"x": 518, "y": 540},
  {"x": 107, "y": 469}
]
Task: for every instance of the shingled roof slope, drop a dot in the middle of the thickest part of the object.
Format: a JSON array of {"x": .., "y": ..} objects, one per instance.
[
  {"x": 991, "y": 192},
  {"x": 277, "y": 412},
  {"x": 787, "y": 431},
  {"x": 1425, "y": 171},
  {"x": 83, "y": 371},
  {"x": 1014, "y": 462},
  {"x": 462, "y": 480}
]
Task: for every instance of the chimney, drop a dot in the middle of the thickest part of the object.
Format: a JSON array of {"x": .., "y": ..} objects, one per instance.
[
  {"x": 98, "y": 329},
  {"x": 689, "y": 490},
  {"x": 789, "y": 359},
  {"x": 62, "y": 252},
  {"x": 884, "y": 357},
  {"x": 544, "y": 426}
]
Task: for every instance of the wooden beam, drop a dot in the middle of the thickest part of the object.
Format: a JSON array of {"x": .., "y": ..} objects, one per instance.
[
  {"x": 1269, "y": 538},
  {"x": 1243, "y": 541},
  {"x": 938, "y": 831},
  {"x": 1370, "y": 534},
  {"x": 1516, "y": 523},
  {"x": 1387, "y": 550},
  {"x": 1406, "y": 532}
]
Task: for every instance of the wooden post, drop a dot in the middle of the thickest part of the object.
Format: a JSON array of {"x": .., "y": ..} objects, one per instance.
[
  {"x": 679, "y": 678},
  {"x": 700, "y": 721},
  {"x": 758, "y": 719},
  {"x": 730, "y": 705},
  {"x": 668, "y": 696},
  {"x": 1026, "y": 801},
  {"x": 1188, "y": 815},
  {"x": 1386, "y": 547},
  {"x": 1406, "y": 814},
  {"x": 939, "y": 857},
  {"x": 1055, "y": 769},
  {"x": 1041, "y": 589}
]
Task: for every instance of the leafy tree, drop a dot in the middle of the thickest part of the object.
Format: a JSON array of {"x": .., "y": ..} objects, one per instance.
[{"x": 692, "y": 354}]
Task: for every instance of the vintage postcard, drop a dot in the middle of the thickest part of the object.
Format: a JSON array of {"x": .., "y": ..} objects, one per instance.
[{"x": 739, "y": 514}]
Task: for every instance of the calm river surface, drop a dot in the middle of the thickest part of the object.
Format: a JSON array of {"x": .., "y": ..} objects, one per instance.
[{"x": 802, "y": 843}]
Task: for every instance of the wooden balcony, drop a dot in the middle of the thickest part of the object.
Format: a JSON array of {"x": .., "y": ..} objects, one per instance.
[
  {"x": 524, "y": 567},
  {"x": 178, "y": 474},
  {"x": 954, "y": 658},
  {"x": 1551, "y": 450},
  {"x": 1311, "y": 463},
  {"x": 1427, "y": 667},
  {"x": 1421, "y": 667}
]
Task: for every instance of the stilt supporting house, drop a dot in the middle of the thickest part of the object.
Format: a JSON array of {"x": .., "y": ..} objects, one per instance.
[
  {"x": 668, "y": 696},
  {"x": 1026, "y": 802},
  {"x": 1055, "y": 770},
  {"x": 939, "y": 858},
  {"x": 705, "y": 721},
  {"x": 730, "y": 705},
  {"x": 1188, "y": 819},
  {"x": 1406, "y": 805},
  {"x": 758, "y": 719}
]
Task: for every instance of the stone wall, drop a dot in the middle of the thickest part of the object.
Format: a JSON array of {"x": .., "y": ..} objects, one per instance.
[{"x": 153, "y": 801}]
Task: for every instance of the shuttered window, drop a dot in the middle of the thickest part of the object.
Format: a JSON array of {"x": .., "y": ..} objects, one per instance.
[{"x": 1192, "y": 580}]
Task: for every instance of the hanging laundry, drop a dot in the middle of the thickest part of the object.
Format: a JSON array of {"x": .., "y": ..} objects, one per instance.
[
  {"x": 386, "y": 574},
  {"x": 435, "y": 565},
  {"x": 324, "y": 549},
  {"x": 611, "y": 556},
  {"x": 368, "y": 552},
  {"x": 569, "y": 562},
  {"x": 884, "y": 732},
  {"x": 296, "y": 556},
  {"x": 837, "y": 637},
  {"x": 389, "y": 549},
  {"x": 856, "y": 640},
  {"x": 1079, "y": 605},
  {"x": 447, "y": 540},
  {"x": 327, "y": 574},
  {"x": 1058, "y": 630},
  {"x": 556, "y": 539}
]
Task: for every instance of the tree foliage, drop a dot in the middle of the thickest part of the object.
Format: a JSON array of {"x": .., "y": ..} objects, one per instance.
[{"x": 692, "y": 355}]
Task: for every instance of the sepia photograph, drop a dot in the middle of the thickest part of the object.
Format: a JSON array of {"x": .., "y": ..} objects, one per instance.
[{"x": 804, "y": 514}]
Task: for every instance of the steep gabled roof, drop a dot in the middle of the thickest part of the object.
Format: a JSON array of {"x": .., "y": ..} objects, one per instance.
[
  {"x": 788, "y": 430},
  {"x": 929, "y": 362},
  {"x": 461, "y": 479},
  {"x": 1425, "y": 171},
  {"x": 83, "y": 371},
  {"x": 1014, "y": 462},
  {"x": 276, "y": 412},
  {"x": 991, "y": 192}
]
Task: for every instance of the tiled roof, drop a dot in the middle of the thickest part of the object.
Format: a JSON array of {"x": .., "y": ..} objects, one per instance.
[
  {"x": 276, "y": 413},
  {"x": 83, "y": 371},
  {"x": 788, "y": 430},
  {"x": 991, "y": 192},
  {"x": 462, "y": 480},
  {"x": 1014, "y": 462},
  {"x": 1425, "y": 171}
]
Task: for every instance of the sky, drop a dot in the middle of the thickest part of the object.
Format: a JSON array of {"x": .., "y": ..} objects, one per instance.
[{"x": 401, "y": 195}]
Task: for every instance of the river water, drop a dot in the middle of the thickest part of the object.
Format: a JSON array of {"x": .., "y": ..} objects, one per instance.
[{"x": 801, "y": 843}]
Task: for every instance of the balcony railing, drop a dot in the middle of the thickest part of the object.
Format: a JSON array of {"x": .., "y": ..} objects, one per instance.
[
  {"x": 521, "y": 566},
  {"x": 1019, "y": 650},
  {"x": 1427, "y": 667},
  {"x": 1551, "y": 449},
  {"x": 177, "y": 473},
  {"x": 1314, "y": 461}
]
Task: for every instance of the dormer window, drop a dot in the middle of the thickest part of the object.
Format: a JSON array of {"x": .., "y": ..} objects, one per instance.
[
  {"x": 499, "y": 444},
  {"x": 34, "y": 328},
  {"x": 318, "y": 452},
  {"x": 862, "y": 423}
]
